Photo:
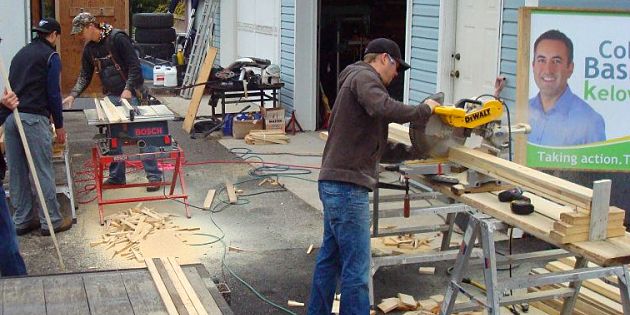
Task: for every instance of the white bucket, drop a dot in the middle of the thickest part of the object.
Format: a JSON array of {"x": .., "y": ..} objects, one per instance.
[
  {"x": 170, "y": 76},
  {"x": 158, "y": 75}
]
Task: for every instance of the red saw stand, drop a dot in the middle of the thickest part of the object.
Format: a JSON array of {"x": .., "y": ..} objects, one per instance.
[{"x": 101, "y": 162}]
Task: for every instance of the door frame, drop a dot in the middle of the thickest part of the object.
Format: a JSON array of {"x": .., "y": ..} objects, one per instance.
[{"x": 446, "y": 46}]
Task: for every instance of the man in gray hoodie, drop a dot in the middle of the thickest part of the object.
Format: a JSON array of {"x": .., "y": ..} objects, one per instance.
[{"x": 357, "y": 142}]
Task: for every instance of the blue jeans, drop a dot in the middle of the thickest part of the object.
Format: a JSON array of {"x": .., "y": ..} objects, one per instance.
[
  {"x": 23, "y": 195},
  {"x": 11, "y": 263},
  {"x": 345, "y": 251},
  {"x": 117, "y": 169}
]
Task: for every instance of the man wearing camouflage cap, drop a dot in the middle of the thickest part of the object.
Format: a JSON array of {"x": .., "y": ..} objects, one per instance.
[{"x": 109, "y": 52}]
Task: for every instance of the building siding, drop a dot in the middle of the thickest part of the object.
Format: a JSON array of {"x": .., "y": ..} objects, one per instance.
[
  {"x": 424, "y": 49},
  {"x": 287, "y": 53}
]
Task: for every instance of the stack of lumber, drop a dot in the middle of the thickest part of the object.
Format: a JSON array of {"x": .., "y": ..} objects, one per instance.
[
  {"x": 266, "y": 137},
  {"x": 596, "y": 295},
  {"x": 108, "y": 112},
  {"x": 574, "y": 226},
  {"x": 126, "y": 230}
]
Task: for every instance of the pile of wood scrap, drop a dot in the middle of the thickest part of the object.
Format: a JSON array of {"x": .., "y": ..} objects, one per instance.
[
  {"x": 405, "y": 302},
  {"x": 266, "y": 137},
  {"x": 597, "y": 296},
  {"x": 402, "y": 244},
  {"x": 574, "y": 226},
  {"x": 126, "y": 230}
]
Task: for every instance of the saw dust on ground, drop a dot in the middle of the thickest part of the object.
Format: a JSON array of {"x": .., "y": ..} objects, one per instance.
[{"x": 141, "y": 232}]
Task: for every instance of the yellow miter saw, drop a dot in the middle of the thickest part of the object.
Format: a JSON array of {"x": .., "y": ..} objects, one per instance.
[{"x": 475, "y": 123}]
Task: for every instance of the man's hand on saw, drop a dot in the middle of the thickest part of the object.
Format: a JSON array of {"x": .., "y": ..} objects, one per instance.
[
  {"x": 126, "y": 94},
  {"x": 68, "y": 101},
  {"x": 432, "y": 104},
  {"x": 61, "y": 136}
]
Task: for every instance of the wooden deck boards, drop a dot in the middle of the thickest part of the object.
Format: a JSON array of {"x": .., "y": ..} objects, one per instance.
[{"x": 129, "y": 291}]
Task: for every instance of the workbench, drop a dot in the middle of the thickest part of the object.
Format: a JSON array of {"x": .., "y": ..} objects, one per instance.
[
  {"x": 130, "y": 291},
  {"x": 235, "y": 94}
]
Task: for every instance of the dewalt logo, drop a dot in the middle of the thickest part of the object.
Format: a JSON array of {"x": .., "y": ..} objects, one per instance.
[{"x": 477, "y": 115}]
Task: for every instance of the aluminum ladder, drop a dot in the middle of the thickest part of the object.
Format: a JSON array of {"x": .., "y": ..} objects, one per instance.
[{"x": 203, "y": 38}]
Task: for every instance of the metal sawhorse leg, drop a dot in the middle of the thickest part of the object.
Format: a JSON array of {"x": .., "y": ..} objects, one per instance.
[{"x": 482, "y": 227}]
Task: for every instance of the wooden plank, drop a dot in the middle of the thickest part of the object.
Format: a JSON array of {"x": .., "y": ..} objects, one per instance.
[
  {"x": 209, "y": 198},
  {"x": 206, "y": 289},
  {"x": 99, "y": 110},
  {"x": 188, "y": 304},
  {"x": 569, "y": 229},
  {"x": 143, "y": 293},
  {"x": 540, "y": 183},
  {"x": 161, "y": 287},
  {"x": 126, "y": 104},
  {"x": 204, "y": 74},
  {"x": 112, "y": 117},
  {"x": 65, "y": 295},
  {"x": 588, "y": 296},
  {"x": 599, "y": 210},
  {"x": 23, "y": 296},
  {"x": 583, "y": 217},
  {"x": 597, "y": 285},
  {"x": 580, "y": 237},
  {"x": 523, "y": 64},
  {"x": 106, "y": 294},
  {"x": 613, "y": 251},
  {"x": 229, "y": 188},
  {"x": 187, "y": 287}
]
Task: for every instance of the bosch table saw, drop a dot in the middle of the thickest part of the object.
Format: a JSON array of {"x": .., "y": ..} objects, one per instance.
[{"x": 134, "y": 127}]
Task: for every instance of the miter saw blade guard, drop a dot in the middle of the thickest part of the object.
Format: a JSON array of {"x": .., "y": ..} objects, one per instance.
[{"x": 452, "y": 125}]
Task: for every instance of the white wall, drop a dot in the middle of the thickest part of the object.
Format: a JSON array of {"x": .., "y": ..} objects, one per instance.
[{"x": 14, "y": 19}]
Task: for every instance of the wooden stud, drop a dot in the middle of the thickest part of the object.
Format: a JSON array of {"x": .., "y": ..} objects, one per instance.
[
  {"x": 188, "y": 304},
  {"x": 187, "y": 286},
  {"x": 209, "y": 198},
  {"x": 159, "y": 284},
  {"x": 229, "y": 188},
  {"x": 204, "y": 74}
]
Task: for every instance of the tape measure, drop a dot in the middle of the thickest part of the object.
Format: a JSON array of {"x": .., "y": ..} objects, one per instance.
[{"x": 522, "y": 206}]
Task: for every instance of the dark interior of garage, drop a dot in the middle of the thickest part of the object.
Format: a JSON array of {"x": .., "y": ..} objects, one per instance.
[{"x": 345, "y": 28}]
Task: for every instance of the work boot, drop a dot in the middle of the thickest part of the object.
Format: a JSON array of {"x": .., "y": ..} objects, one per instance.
[
  {"x": 33, "y": 225},
  {"x": 111, "y": 181},
  {"x": 66, "y": 224},
  {"x": 155, "y": 187}
]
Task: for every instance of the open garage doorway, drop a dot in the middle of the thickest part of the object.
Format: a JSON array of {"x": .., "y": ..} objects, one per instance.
[{"x": 345, "y": 28}]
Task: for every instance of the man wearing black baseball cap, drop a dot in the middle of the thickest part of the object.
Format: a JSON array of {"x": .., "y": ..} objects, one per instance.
[
  {"x": 34, "y": 75},
  {"x": 47, "y": 26},
  {"x": 357, "y": 142}
]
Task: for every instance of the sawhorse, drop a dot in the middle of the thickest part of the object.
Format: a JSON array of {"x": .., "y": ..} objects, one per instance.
[
  {"x": 101, "y": 161},
  {"x": 482, "y": 227}
]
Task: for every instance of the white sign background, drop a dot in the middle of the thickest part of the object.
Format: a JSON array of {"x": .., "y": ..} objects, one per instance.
[{"x": 587, "y": 31}]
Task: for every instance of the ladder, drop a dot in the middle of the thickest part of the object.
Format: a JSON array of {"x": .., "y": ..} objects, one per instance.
[{"x": 203, "y": 39}]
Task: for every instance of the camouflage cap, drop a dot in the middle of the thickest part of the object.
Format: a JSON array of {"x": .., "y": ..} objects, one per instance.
[{"x": 80, "y": 21}]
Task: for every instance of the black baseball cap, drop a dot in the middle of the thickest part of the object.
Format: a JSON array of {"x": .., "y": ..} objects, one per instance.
[
  {"x": 47, "y": 25},
  {"x": 385, "y": 45}
]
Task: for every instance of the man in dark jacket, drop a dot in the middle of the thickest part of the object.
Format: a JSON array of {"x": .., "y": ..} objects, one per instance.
[
  {"x": 34, "y": 75},
  {"x": 356, "y": 143},
  {"x": 11, "y": 262},
  {"x": 110, "y": 53}
]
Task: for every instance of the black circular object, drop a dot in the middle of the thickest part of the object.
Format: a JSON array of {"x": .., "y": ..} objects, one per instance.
[{"x": 522, "y": 206}]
